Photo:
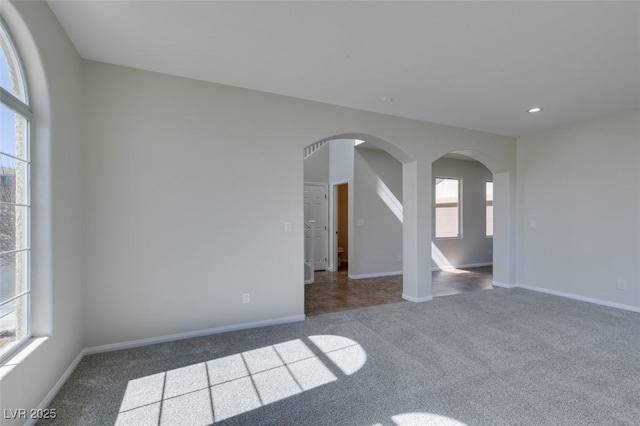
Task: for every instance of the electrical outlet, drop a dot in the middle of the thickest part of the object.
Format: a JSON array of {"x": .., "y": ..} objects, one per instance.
[
  {"x": 246, "y": 298},
  {"x": 622, "y": 284}
]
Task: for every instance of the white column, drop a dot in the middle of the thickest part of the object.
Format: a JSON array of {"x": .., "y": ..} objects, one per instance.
[{"x": 416, "y": 232}]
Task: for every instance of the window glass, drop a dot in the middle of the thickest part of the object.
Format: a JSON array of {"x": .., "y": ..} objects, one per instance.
[
  {"x": 11, "y": 78},
  {"x": 447, "y": 215},
  {"x": 13, "y": 139}
]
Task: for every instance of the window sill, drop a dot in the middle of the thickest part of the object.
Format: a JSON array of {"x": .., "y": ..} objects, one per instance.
[{"x": 20, "y": 355}]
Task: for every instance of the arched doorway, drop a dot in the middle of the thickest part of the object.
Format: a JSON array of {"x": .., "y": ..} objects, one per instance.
[
  {"x": 485, "y": 226},
  {"x": 417, "y": 208},
  {"x": 462, "y": 223},
  {"x": 372, "y": 173}
]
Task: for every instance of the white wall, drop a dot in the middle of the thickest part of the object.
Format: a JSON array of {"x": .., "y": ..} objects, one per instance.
[
  {"x": 474, "y": 247},
  {"x": 186, "y": 204},
  {"x": 316, "y": 166},
  {"x": 188, "y": 183},
  {"x": 54, "y": 74},
  {"x": 581, "y": 186},
  {"x": 377, "y": 214},
  {"x": 341, "y": 160}
]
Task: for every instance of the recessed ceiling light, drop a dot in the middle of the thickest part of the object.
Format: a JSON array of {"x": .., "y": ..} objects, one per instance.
[
  {"x": 358, "y": 142},
  {"x": 535, "y": 109},
  {"x": 386, "y": 99}
]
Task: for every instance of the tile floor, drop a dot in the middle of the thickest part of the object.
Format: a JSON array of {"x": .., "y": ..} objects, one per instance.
[{"x": 335, "y": 291}]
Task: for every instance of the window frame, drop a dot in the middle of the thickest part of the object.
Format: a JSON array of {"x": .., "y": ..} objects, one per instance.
[
  {"x": 459, "y": 206},
  {"x": 21, "y": 108}
]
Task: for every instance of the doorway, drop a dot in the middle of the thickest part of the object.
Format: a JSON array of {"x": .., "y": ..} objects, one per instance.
[
  {"x": 417, "y": 200},
  {"x": 462, "y": 245},
  {"x": 341, "y": 224}
]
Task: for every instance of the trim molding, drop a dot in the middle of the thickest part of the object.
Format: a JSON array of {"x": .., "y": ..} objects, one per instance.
[
  {"x": 190, "y": 334},
  {"x": 467, "y": 265},
  {"x": 503, "y": 285},
  {"x": 56, "y": 388},
  {"x": 581, "y": 298},
  {"x": 308, "y": 282},
  {"x": 417, "y": 299},
  {"x": 375, "y": 275}
]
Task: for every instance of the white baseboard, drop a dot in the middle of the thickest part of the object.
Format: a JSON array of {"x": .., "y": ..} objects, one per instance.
[
  {"x": 467, "y": 265},
  {"x": 582, "y": 298},
  {"x": 56, "y": 388},
  {"x": 417, "y": 299},
  {"x": 190, "y": 334},
  {"x": 375, "y": 275},
  {"x": 503, "y": 285}
]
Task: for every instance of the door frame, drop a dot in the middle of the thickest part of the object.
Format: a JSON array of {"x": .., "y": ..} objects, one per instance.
[{"x": 333, "y": 218}]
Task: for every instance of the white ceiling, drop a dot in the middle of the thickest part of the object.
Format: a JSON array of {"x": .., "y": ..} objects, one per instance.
[{"x": 478, "y": 65}]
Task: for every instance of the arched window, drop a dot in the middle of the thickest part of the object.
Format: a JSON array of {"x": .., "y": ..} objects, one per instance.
[{"x": 15, "y": 116}]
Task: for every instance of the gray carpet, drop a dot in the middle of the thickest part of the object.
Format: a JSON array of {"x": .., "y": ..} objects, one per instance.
[{"x": 497, "y": 357}]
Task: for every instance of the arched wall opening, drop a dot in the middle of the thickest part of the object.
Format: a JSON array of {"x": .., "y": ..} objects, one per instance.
[
  {"x": 399, "y": 202},
  {"x": 501, "y": 256}
]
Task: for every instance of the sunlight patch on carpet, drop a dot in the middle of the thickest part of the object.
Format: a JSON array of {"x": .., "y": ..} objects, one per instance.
[{"x": 211, "y": 391}]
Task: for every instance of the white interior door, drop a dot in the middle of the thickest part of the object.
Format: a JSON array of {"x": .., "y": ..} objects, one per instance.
[{"x": 315, "y": 208}]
